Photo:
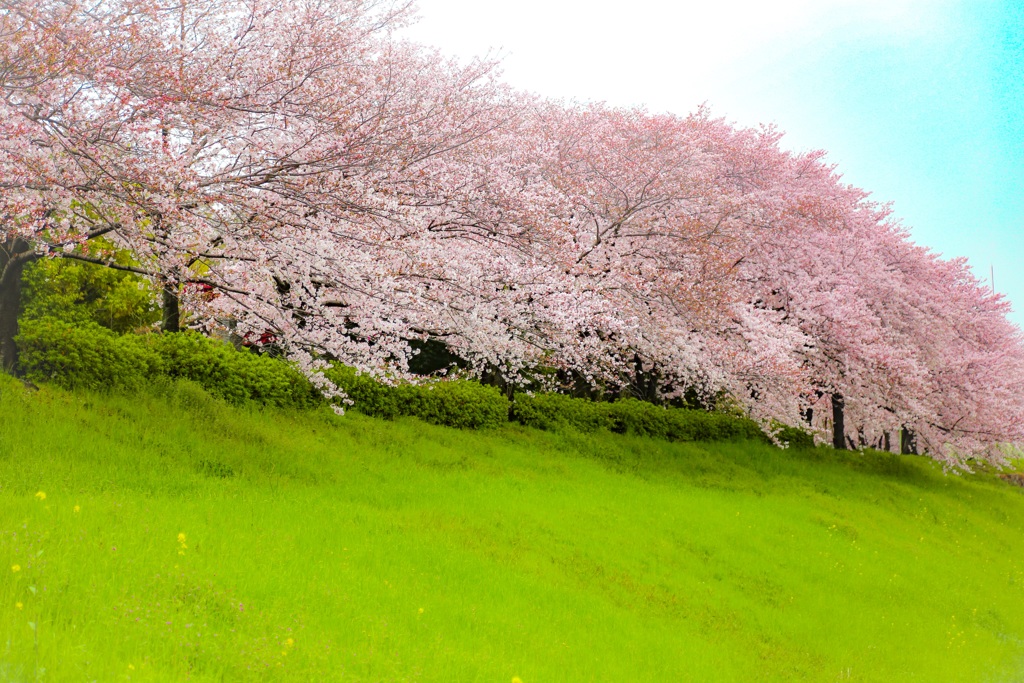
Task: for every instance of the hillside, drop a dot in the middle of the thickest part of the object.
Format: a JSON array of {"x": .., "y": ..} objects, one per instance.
[{"x": 167, "y": 536}]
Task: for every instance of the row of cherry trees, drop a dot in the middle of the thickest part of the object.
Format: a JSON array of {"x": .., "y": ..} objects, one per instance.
[{"x": 294, "y": 168}]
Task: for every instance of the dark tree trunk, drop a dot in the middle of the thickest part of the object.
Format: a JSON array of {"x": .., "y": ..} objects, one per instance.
[
  {"x": 838, "y": 428},
  {"x": 492, "y": 376},
  {"x": 809, "y": 416},
  {"x": 15, "y": 254},
  {"x": 908, "y": 442},
  {"x": 887, "y": 445},
  {"x": 646, "y": 382},
  {"x": 576, "y": 385},
  {"x": 171, "y": 310}
]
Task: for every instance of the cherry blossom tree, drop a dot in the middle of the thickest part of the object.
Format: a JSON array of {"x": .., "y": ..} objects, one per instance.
[
  {"x": 292, "y": 170},
  {"x": 885, "y": 322},
  {"x": 653, "y": 213},
  {"x": 233, "y": 145}
]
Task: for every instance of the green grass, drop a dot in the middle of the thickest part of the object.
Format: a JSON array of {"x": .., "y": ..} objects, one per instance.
[{"x": 399, "y": 551}]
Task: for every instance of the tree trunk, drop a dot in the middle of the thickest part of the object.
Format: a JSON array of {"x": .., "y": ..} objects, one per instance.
[
  {"x": 908, "y": 444},
  {"x": 171, "y": 309},
  {"x": 15, "y": 254},
  {"x": 885, "y": 440},
  {"x": 838, "y": 428}
]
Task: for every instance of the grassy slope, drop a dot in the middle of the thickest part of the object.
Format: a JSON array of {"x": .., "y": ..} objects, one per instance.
[{"x": 552, "y": 557}]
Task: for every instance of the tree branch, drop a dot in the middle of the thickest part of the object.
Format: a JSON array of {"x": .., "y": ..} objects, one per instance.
[{"x": 104, "y": 262}]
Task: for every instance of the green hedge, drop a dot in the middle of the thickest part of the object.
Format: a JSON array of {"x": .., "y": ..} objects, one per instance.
[
  {"x": 795, "y": 437},
  {"x": 236, "y": 376},
  {"x": 93, "y": 357},
  {"x": 86, "y": 355},
  {"x": 456, "y": 403},
  {"x": 630, "y": 416}
]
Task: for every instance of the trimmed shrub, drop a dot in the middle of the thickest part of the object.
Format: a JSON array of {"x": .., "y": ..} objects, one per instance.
[
  {"x": 630, "y": 416},
  {"x": 453, "y": 403},
  {"x": 236, "y": 376},
  {"x": 90, "y": 356},
  {"x": 85, "y": 356},
  {"x": 551, "y": 411},
  {"x": 368, "y": 396},
  {"x": 794, "y": 437},
  {"x": 93, "y": 357},
  {"x": 458, "y": 403}
]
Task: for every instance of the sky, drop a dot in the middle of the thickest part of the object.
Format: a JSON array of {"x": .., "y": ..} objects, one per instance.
[{"x": 920, "y": 102}]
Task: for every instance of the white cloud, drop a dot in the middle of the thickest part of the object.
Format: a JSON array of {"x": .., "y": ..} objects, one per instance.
[{"x": 635, "y": 53}]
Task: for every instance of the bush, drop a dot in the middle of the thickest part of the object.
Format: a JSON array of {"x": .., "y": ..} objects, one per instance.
[
  {"x": 551, "y": 411},
  {"x": 630, "y": 416},
  {"x": 93, "y": 357},
  {"x": 453, "y": 403},
  {"x": 86, "y": 356},
  {"x": 90, "y": 356},
  {"x": 458, "y": 403},
  {"x": 236, "y": 376},
  {"x": 794, "y": 437}
]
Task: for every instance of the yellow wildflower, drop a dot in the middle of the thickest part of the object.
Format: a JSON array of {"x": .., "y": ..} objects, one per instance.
[
  {"x": 15, "y": 568},
  {"x": 131, "y": 667},
  {"x": 18, "y": 605},
  {"x": 40, "y": 495},
  {"x": 181, "y": 538},
  {"x": 421, "y": 610},
  {"x": 77, "y": 509},
  {"x": 289, "y": 642},
  {"x": 517, "y": 679}
]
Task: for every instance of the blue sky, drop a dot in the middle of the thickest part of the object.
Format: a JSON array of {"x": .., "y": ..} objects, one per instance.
[{"x": 920, "y": 102}]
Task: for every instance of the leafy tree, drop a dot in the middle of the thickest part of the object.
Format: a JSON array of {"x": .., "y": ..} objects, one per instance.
[{"x": 78, "y": 292}]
